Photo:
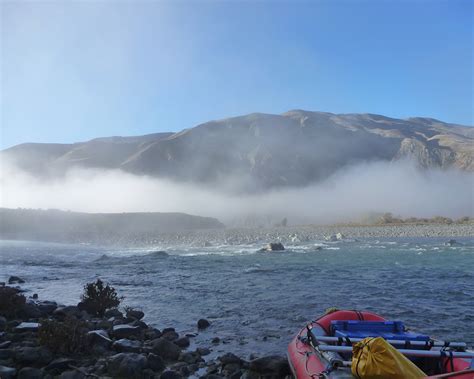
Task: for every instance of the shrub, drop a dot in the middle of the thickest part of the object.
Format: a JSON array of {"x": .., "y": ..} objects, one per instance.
[
  {"x": 11, "y": 302},
  {"x": 98, "y": 297},
  {"x": 68, "y": 336}
]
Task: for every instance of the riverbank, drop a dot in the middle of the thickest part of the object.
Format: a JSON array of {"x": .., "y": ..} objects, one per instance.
[{"x": 45, "y": 339}]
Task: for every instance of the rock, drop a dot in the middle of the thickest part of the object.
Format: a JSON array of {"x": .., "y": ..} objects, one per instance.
[
  {"x": 171, "y": 374},
  {"x": 155, "y": 362},
  {"x": 31, "y": 310},
  {"x": 159, "y": 254},
  {"x": 30, "y": 373},
  {"x": 3, "y": 323},
  {"x": 182, "y": 342},
  {"x": 27, "y": 327},
  {"x": 47, "y": 307},
  {"x": 203, "y": 323},
  {"x": 170, "y": 335},
  {"x": 203, "y": 351},
  {"x": 140, "y": 324},
  {"x": 114, "y": 312},
  {"x": 452, "y": 242},
  {"x": 35, "y": 296},
  {"x": 190, "y": 357},
  {"x": 6, "y": 354},
  {"x": 216, "y": 340},
  {"x": 135, "y": 314},
  {"x": 166, "y": 349},
  {"x": 15, "y": 280},
  {"x": 72, "y": 374},
  {"x": 127, "y": 346},
  {"x": 274, "y": 246},
  {"x": 273, "y": 365},
  {"x": 70, "y": 310},
  {"x": 34, "y": 355},
  {"x": 60, "y": 364},
  {"x": 127, "y": 365},
  {"x": 331, "y": 238},
  {"x": 5, "y": 344},
  {"x": 166, "y": 330},
  {"x": 229, "y": 358},
  {"x": 125, "y": 331},
  {"x": 99, "y": 338},
  {"x": 7, "y": 372}
]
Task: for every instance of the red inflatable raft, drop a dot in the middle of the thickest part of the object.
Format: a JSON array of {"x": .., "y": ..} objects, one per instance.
[{"x": 320, "y": 350}]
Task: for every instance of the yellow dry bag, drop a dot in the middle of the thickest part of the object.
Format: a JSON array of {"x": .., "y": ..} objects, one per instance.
[{"x": 375, "y": 358}]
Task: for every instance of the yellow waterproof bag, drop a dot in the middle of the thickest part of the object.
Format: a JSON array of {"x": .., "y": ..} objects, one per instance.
[{"x": 375, "y": 358}]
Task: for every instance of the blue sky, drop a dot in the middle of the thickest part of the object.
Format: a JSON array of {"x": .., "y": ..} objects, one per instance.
[{"x": 72, "y": 71}]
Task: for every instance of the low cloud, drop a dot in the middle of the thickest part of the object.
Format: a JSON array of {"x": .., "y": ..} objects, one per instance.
[{"x": 397, "y": 187}]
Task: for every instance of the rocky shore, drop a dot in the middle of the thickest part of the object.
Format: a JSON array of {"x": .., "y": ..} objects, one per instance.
[{"x": 44, "y": 339}]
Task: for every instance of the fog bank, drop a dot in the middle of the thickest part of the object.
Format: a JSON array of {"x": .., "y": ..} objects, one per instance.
[{"x": 397, "y": 187}]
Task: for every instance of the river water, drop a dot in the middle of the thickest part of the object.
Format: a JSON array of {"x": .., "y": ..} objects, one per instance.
[{"x": 257, "y": 301}]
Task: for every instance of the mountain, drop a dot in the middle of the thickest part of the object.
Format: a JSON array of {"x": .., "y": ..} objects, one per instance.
[
  {"x": 62, "y": 226},
  {"x": 262, "y": 150}
]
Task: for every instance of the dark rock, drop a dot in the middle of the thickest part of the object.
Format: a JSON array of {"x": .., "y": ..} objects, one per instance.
[
  {"x": 47, "y": 307},
  {"x": 171, "y": 374},
  {"x": 70, "y": 310},
  {"x": 7, "y": 372},
  {"x": 452, "y": 242},
  {"x": 155, "y": 362},
  {"x": 152, "y": 333},
  {"x": 34, "y": 355},
  {"x": 125, "y": 331},
  {"x": 190, "y": 357},
  {"x": 5, "y": 344},
  {"x": 216, "y": 340},
  {"x": 230, "y": 358},
  {"x": 30, "y": 373},
  {"x": 166, "y": 349},
  {"x": 140, "y": 324},
  {"x": 6, "y": 354},
  {"x": 171, "y": 335},
  {"x": 182, "y": 342},
  {"x": 35, "y": 296},
  {"x": 60, "y": 364},
  {"x": 113, "y": 313},
  {"x": 203, "y": 351},
  {"x": 231, "y": 368},
  {"x": 127, "y": 346},
  {"x": 3, "y": 323},
  {"x": 166, "y": 330},
  {"x": 203, "y": 323},
  {"x": 31, "y": 310},
  {"x": 274, "y": 246},
  {"x": 159, "y": 254},
  {"x": 135, "y": 314},
  {"x": 127, "y": 365},
  {"x": 27, "y": 327},
  {"x": 15, "y": 280},
  {"x": 274, "y": 365},
  {"x": 99, "y": 338},
  {"x": 72, "y": 374}
]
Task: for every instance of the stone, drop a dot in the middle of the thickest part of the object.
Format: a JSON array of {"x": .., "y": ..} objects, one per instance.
[
  {"x": 171, "y": 374},
  {"x": 229, "y": 358},
  {"x": 203, "y": 323},
  {"x": 331, "y": 238},
  {"x": 6, "y": 354},
  {"x": 27, "y": 327},
  {"x": 31, "y": 310},
  {"x": 114, "y": 312},
  {"x": 127, "y": 365},
  {"x": 170, "y": 335},
  {"x": 72, "y": 374},
  {"x": 70, "y": 310},
  {"x": 216, "y": 340},
  {"x": 34, "y": 355},
  {"x": 273, "y": 365},
  {"x": 166, "y": 349},
  {"x": 135, "y": 314},
  {"x": 15, "y": 280},
  {"x": 182, "y": 342},
  {"x": 275, "y": 246},
  {"x": 203, "y": 351},
  {"x": 127, "y": 346},
  {"x": 30, "y": 373},
  {"x": 99, "y": 338},
  {"x": 60, "y": 364},
  {"x": 5, "y": 344},
  {"x": 125, "y": 331},
  {"x": 7, "y": 372},
  {"x": 47, "y": 307},
  {"x": 190, "y": 357},
  {"x": 155, "y": 362},
  {"x": 166, "y": 330},
  {"x": 3, "y": 323}
]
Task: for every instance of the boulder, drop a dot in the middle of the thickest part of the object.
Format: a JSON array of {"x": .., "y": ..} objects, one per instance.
[
  {"x": 7, "y": 372},
  {"x": 15, "y": 280},
  {"x": 31, "y": 310},
  {"x": 125, "y": 331},
  {"x": 60, "y": 364},
  {"x": 331, "y": 238},
  {"x": 190, "y": 357},
  {"x": 30, "y": 373},
  {"x": 38, "y": 356},
  {"x": 127, "y": 346},
  {"x": 229, "y": 358},
  {"x": 170, "y": 335},
  {"x": 203, "y": 323},
  {"x": 127, "y": 365},
  {"x": 99, "y": 338},
  {"x": 3, "y": 323},
  {"x": 47, "y": 307},
  {"x": 166, "y": 349},
  {"x": 155, "y": 362},
  {"x": 274, "y": 246},
  {"x": 273, "y": 365},
  {"x": 203, "y": 351},
  {"x": 114, "y": 312},
  {"x": 27, "y": 327},
  {"x": 6, "y": 354},
  {"x": 72, "y": 374},
  {"x": 135, "y": 314},
  {"x": 70, "y": 310},
  {"x": 182, "y": 342}
]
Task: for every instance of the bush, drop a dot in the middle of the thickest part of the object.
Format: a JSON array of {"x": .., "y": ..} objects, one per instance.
[
  {"x": 11, "y": 302},
  {"x": 68, "y": 336},
  {"x": 98, "y": 297}
]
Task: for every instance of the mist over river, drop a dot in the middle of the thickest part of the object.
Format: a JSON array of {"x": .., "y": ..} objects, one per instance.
[{"x": 257, "y": 301}]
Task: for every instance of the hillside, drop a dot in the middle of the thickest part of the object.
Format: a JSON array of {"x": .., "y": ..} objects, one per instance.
[{"x": 262, "y": 150}]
